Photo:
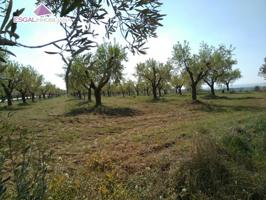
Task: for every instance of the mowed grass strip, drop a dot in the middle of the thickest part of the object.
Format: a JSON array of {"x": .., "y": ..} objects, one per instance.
[{"x": 132, "y": 133}]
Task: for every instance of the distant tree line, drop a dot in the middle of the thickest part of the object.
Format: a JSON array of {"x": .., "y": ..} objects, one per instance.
[
  {"x": 101, "y": 73},
  {"x": 23, "y": 82}
]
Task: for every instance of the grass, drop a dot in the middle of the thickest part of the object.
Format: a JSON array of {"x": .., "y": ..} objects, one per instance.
[{"x": 133, "y": 148}]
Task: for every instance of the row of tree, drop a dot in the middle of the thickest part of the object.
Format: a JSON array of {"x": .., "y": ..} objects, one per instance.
[
  {"x": 23, "y": 82},
  {"x": 102, "y": 72}
]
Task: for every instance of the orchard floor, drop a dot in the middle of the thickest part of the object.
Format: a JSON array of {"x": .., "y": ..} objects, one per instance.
[{"x": 129, "y": 138}]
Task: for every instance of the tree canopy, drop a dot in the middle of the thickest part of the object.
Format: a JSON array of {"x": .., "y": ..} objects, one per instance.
[{"x": 262, "y": 71}]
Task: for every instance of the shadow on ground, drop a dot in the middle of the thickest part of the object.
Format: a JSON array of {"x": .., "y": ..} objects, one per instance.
[
  {"x": 105, "y": 110},
  {"x": 206, "y": 107},
  {"x": 12, "y": 108},
  {"x": 163, "y": 99},
  {"x": 229, "y": 98}
]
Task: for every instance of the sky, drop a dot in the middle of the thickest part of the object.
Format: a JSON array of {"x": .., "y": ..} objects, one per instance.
[{"x": 238, "y": 22}]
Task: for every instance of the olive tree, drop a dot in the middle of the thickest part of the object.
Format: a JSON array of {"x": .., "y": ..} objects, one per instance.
[
  {"x": 229, "y": 77},
  {"x": 25, "y": 81},
  {"x": 10, "y": 80},
  {"x": 154, "y": 73},
  {"x": 78, "y": 82},
  {"x": 262, "y": 71},
  {"x": 221, "y": 62},
  {"x": 178, "y": 81},
  {"x": 36, "y": 81},
  {"x": 136, "y": 20},
  {"x": 47, "y": 89},
  {"x": 106, "y": 65},
  {"x": 197, "y": 65},
  {"x": 8, "y": 35}
]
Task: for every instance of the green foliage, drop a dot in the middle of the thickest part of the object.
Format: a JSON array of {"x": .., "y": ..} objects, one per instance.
[
  {"x": 137, "y": 20},
  {"x": 197, "y": 65},
  {"x": 211, "y": 173},
  {"x": 24, "y": 175},
  {"x": 3, "y": 179},
  {"x": 230, "y": 76},
  {"x": 221, "y": 62},
  {"x": 25, "y": 80},
  {"x": 8, "y": 27},
  {"x": 154, "y": 73},
  {"x": 78, "y": 78},
  {"x": 205, "y": 174},
  {"x": 107, "y": 64},
  {"x": 10, "y": 80},
  {"x": 262, "y": 71},
  {"x": 238, "y": 144}
]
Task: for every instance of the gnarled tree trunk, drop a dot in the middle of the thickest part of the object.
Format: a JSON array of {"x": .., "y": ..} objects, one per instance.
[
  {"x": 32, "y": 97},
  {"x": 194, "y": 92},
  {"x": 98, "y": 98},
  {"x": 227, "y": 87},
  {"x": 89, "y": 94},
  {"x": 23, "y": 97}
]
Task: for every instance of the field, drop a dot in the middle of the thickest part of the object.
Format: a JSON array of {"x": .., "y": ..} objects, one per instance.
[{"x": 136, "y": 148}]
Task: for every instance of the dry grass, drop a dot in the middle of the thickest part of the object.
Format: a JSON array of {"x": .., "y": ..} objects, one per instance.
[{"x": 130, "y": 135}]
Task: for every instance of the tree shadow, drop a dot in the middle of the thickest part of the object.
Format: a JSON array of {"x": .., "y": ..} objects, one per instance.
[
  {"x": 72, "y": 99},
  {"x": 105, "y": 110},
  {"x": 82, "y": 103},
  {"x": 23, "y": 104},
  {"x": 11, "y": 108},
  {"x": 206, "y": 107},
  {"x": 160, "y": 100},
  {"x": 229, "y": 98}
]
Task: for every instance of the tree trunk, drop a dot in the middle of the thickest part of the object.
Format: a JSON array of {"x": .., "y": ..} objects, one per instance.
[
  {"x": 43, "y": 95},
  {"x": 32, "y": 97},
  {"x": 23, "y": 97},
  {"x": 154, "y": 92},
  {"x": 89, "y": 95},
  {"x": 179, "y": 90},
  {"x": 98, "y": 98},
  {"x": 160, "y": 92},
  {"x": 212, "y": 90},
  {"x": 79, "y": 95},
  {"x": 227, "y": 87},
  {"x": 9, "y": 99},
  {"x": 67, "y": 77},
  {"x": 146, "y": 92},
  {"x": 137, "y": 91},
  {"x": 194, "y": 92}
]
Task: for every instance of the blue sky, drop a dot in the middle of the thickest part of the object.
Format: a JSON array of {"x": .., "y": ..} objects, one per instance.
[{"x": 241, "y": 23}]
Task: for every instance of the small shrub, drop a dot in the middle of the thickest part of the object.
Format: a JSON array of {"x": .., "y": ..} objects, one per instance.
[
  {"x": 204, "y": 174},
  {"x": 211, "y": 173},
  {"x": 238, "y": 145},
  {"x": 25, "y": 165},
  {"x": 3, "y": 179}
]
